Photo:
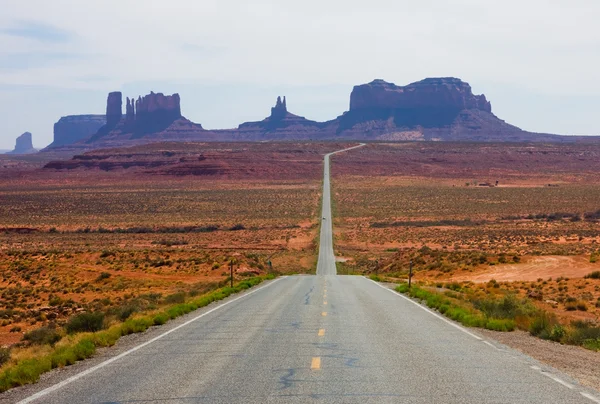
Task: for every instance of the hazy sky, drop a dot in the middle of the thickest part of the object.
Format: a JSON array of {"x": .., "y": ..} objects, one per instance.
[{"x": 538, "y": 61}]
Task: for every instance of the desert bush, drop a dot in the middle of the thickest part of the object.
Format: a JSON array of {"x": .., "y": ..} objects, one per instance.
[
  {"x": 593, "y": 275},
  {"x": 44, "y": 335},
  {"x": 103, "y": 276},
  {"x": 542, "y": 325},
  {"x": 4, "y": 355},
  {"x": 178, "y": 297},
  {"x": 582, "y": 331},
  {"x": 85, "y": 322}
]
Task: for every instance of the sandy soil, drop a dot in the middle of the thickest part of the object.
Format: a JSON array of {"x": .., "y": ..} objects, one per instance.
[{"x": 533, "y": 268}]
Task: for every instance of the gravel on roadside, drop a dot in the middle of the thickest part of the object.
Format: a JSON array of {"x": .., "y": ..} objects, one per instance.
[{"x": 579, "y": 363}]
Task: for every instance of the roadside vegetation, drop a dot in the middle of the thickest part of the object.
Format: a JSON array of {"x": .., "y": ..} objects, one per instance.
[
  {"x": 54, "y": 346},
  {"x": 488, "y": 306}
]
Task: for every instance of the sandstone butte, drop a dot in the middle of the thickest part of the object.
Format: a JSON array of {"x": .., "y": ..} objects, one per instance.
[
  {"x": 434, "y": 109},
  {"x": 24, "y": 145}
]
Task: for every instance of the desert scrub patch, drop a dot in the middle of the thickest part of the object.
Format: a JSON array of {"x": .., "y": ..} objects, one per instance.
[
  {"x": 458, "y": 310},
  {"x": 77, "y": 347},
  {"x": 85, "y": 322}
]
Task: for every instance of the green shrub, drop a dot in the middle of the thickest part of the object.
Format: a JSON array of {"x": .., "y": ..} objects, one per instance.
[
  {"x": 558, "y": 333},
  {"x": 85, "y": 322},
  {"x": 4, "y": 355},
  {"x": 582, "y": 331},
  {"x": 542, "y": 325},
  {"x": 42, "y": 336},
  {"x": 592, "y": 344}
]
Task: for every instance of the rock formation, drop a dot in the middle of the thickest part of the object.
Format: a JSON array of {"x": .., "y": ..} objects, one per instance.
[
  {"x": 154, "y": 113},
  {"x": 445, "y": 92},
  {"x": 74, "y": 128},
  {"x": 281, "y": 124},
  {"x": 130, "y": 111},
  {"x": 24, "y": 145},
  {"x": 434, "y": 109},
  {"x": 153, "y": 117},
  {"x": 430, "y": 103},
  {"x": 114, "y": 108}
]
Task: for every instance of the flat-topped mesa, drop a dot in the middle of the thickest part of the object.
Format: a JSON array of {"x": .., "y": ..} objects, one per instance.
[
  {"x": 446, "y": 92},
  {"x": 74, "y": 128},
  {"x": 24, "y": 144},
  {"x": 430, "y": 103}
]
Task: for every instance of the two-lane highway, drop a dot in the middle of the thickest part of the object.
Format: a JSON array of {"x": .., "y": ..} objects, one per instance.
[
  {"x": 326, "y": 261},
  {"x": 323, "y": 338}
]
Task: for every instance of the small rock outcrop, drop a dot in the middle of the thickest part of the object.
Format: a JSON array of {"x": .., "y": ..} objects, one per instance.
[
  {"x": 74, "y": 128},
  {"x": 24, "y": 144},
  {"x": 281, "y": 124}
]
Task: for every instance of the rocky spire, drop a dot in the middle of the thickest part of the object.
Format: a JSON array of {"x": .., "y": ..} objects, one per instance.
[
  {"x": 130, "y": 111},
  {"x": 114, "y": 108},
  {"x": 279, "y": 111}
]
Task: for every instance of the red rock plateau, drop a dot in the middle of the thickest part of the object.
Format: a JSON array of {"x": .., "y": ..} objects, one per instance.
[{"x": 210, "y": 159}]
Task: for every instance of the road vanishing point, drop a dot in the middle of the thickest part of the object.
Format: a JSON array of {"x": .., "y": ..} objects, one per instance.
[{"x": 309, "y": 339}]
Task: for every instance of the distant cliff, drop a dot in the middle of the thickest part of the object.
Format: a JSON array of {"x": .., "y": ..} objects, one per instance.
[
  {"x": 433, "y": 109},
  {"x": 74, "y": 128},
  {"x": 24, "y": 145}
]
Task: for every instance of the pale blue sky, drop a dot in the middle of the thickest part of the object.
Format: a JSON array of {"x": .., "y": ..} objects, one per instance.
[{"x": 538, "y": 61}]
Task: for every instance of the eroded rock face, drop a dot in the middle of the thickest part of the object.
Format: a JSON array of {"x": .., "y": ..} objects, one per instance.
[
  {"x": 74, "y": 128},
  {"x": 154, "y": 113},
  {"x": 430, "y": 103},
  {"x": 281, "y": 124},
  {"x": 114, "y": 108},
  {"x": 24, "y": 144},
  {"x": 432, "y": 92}
]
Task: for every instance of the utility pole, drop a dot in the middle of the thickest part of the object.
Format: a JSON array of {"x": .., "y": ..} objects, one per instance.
[
  {"x": 376, "y": 267},
  {"x": 231, "y": 271},
  {"x": 410, "y": 274}
]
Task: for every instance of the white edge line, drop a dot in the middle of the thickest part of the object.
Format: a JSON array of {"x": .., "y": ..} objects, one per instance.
[
  {"x": 428, "y": 310},
  {"x": 590, "y": 397},
  {"x": 557, "y": 380},
  {"x": 78, "y": 376},
  {"x": 550, "y": 375},
  {"x": 492, "y": 345}
]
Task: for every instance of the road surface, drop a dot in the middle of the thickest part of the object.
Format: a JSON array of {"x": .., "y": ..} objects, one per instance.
[{"x": 304, "y": 339}]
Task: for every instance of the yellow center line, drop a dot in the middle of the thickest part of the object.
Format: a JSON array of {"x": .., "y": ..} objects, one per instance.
[
  {"x": 325, "y": 303},
  {"x": 324, "y": 314},
  {"x": 316, "y": 363},
  {"x": 321, "y": 332}
]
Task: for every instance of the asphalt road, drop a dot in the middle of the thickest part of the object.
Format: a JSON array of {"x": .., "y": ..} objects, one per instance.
[
  {"x": 326, "y": 261},
  {"x": 323, "y": 338}
]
